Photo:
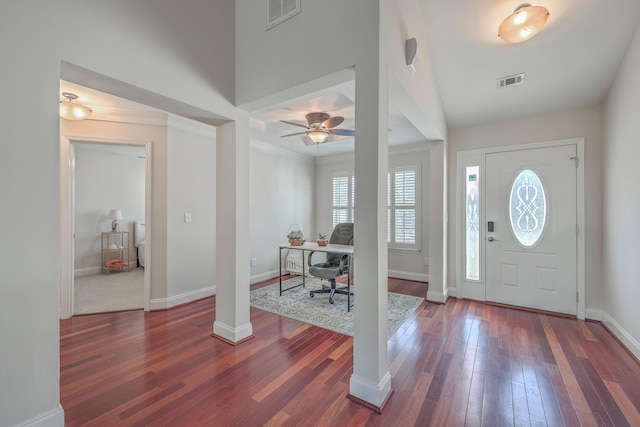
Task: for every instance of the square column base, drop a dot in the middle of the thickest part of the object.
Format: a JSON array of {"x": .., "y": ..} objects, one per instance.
[
  {"x": 367, "y": 393},
  {"x": 232, "y": 335}
]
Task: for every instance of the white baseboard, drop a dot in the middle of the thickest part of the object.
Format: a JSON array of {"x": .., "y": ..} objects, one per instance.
[
  {"x": 369, "y": 391},
  {"x": 264, "y": 276},
  {"x": 625, "y": 337},
  {"x": 232, "y": 334},
  {"x": 407, "y": 275},
  {"x": 87, "y": 271},
  {"x": 438, "y": 297},
  {"x": 54, "y": 418},
  {"x": 164, "y": 303},
  {"x": 593, "y": 314}
]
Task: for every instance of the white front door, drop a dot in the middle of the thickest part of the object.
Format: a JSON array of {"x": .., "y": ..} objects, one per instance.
[{"x": 531, "y": 254}]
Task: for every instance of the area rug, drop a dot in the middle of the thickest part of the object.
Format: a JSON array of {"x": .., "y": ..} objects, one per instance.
[{"x": 297, "y": 304}]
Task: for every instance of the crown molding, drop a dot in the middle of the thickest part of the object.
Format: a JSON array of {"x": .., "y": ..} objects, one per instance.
[{"x": 140, "y": 117}]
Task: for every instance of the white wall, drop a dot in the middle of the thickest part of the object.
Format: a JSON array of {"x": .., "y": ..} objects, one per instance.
[
  {"x": 585, "y": 123},
  {"x": 403, "y": 264},
  {"x": 282, "y": 193},
  {"x": 103, "y": 181},
  {"x": 622, "y": 202},
  {"x": 188, "y": 56},
  {"x": 191, "y": 188}
]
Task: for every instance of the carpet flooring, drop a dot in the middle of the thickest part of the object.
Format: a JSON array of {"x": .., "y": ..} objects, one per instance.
[
  {"x": 297, "y": 304},
  {"x": 101, "y": 293}
]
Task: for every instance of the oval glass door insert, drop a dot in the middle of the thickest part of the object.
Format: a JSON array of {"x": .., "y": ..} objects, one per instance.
[{"x": 527, "y": 208}]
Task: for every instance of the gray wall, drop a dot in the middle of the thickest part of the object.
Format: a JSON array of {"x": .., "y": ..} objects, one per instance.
[
  {"x": 621, "y": 203},
  {"x": 194, "y": 66},
  {"x": 282, "y": 193},
  {"x": 191, "y": 187}
]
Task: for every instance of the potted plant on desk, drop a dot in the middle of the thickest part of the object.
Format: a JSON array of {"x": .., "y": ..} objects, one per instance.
[{"x": 322, "y": 240}]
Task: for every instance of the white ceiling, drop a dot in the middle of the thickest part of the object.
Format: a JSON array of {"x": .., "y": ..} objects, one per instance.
[{"x": 571, "y": 63}]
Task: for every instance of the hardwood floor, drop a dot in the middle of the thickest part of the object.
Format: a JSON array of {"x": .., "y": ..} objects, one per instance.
[{"x": 463, "y": 363}]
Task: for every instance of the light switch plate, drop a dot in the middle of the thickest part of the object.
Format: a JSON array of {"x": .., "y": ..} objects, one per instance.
[{"x": 187, "y": 217}]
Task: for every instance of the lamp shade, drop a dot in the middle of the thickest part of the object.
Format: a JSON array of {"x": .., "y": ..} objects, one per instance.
[
  {"x": 318, "y": 136},
  {"x": 115, "y": 214},
  {"x": 70, "y": 109},
  {"x": 525, "y": 22}
]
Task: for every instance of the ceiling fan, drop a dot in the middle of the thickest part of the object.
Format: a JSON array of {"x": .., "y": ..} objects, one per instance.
[{"x": 320, "y": 126}]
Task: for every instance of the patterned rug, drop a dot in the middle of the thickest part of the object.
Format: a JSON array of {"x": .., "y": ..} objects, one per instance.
[{"x": 297, "y": 304}]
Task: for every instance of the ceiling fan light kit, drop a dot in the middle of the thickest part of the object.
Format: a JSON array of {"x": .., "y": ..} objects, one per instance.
[
  {"x": 71, "y": 109},
  {"x": 525, "y": 22},
  {"x": 318, "y": 136}
]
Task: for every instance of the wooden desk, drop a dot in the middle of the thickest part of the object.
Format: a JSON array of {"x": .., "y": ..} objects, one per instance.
[{"x": 314, "y": 247}]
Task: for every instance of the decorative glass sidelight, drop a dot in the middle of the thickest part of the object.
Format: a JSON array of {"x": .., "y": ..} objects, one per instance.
[
  {"x": 472, "y": 223},
  {"x": 527, "y": 208}
]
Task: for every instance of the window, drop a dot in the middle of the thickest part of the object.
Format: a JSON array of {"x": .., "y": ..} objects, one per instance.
[
  {"x": 527, "y": 208},
  {"x": 472, "y": 223},
  {"x": 402, "y": 207},
  {"x": 343, "y": 196},
  {"x": 402, "y": 204}
]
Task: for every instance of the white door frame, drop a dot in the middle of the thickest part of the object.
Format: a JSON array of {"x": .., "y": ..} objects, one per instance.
[
  {"x": 476, "y": 290},
  {"x": 67, "y": 209}
]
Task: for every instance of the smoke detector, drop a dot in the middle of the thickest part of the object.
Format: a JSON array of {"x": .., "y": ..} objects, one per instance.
[{"x": 516, "y": 79}]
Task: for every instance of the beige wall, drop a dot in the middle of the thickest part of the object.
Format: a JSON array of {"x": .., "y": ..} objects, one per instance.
[{"x": 585, "y": 123}]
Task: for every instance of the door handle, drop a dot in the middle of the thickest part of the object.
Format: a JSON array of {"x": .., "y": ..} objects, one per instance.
[{"x": 491, "y": 239}]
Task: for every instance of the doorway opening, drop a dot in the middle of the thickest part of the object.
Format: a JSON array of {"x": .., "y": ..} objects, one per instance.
[{"x": 101, "y": 270}]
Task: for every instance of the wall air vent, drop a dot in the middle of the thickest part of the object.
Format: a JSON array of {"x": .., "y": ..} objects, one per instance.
[
  {"x": 280, "y": 10},
  {"x": 516, "y": 79}
]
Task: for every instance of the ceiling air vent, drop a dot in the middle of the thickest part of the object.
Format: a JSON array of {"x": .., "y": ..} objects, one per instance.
[
  {"x": 516, "y": 79},
  {"x": 280, "y": 10}
]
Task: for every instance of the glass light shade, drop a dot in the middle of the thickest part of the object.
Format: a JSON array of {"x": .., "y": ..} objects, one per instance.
[
  {"x": 73, "y": 110},
  {"x": 523, "y": 23},
  {"x": 318, "y": 136}
]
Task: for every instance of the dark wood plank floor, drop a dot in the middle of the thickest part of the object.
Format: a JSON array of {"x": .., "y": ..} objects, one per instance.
[{"x": 459, "y": 364}]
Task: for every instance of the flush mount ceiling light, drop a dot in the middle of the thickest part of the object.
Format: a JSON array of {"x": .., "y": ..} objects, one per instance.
[
  {"x": 71, "y": 109},
  {"x": 523, "y": 23}
]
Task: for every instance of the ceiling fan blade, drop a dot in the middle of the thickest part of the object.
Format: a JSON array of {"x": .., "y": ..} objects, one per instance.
[
  {"x": 333, "y": 122},
  {"x": 292, "y": 134},
  {"x": 295, "y": 124},
  {"x": 343, "y": 132}
]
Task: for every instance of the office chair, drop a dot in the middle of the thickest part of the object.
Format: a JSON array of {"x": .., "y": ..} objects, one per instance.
[{"x": 336, "y": 264}]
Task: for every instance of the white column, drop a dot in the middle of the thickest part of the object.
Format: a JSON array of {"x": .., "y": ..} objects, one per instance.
[
  {"x": 232, "y": 322},
  {"x": 371, "y": 381},
  {"x": 438, "y": 291}
]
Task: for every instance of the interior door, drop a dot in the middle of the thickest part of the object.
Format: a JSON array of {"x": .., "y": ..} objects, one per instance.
[{"x": 531, "y": 231}]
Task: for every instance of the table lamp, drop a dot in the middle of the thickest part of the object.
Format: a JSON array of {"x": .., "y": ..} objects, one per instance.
[{"x": 114, "y": 216}]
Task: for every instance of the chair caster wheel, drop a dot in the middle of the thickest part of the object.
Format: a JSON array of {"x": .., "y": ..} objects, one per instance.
[
  {"x": 330, "y": 301},
  {"x": 311, "y": 294}
]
